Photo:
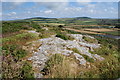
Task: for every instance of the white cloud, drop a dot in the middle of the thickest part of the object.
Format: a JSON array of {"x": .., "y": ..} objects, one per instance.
[
  {"x": 105, "y": 10},
  {"x": 48, "y": 11},
  {"x": 91, "y": 11},
  {"x": 91, "y": 5},
  {"x": 52, "y": 5},
  {"x": 13, "y": 13}
]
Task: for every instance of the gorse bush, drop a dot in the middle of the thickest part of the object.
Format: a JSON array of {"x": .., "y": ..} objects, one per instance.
[
  {"x": 64, "y": 36},
  {"x": 10, "y": 27},
  {"x": 12, "y": 64},
  {"x": 16, "y": 51},
  {"x": 17, "y": 71},
  {"x": 26, "y": 71}
]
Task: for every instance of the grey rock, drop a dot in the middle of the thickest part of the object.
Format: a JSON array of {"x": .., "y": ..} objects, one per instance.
[
  {"x": 80, "y": 58},
  {"x": 55, "y": 45}
]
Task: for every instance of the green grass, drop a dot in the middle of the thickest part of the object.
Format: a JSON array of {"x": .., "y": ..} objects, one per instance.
[
  {"x": 87, "y": 58},
  {"x": 55, "y": 59},
  {"x": 21, "y": 70},
  {"x": 26, "y": 71},
  {"x": 20, "y": 38},
  {"x": 52, "y": 24},
  {"x": 90, "y": 40},
  {"x": 64, "y": 36},
  {"x": 109, "y": 68},
  {"x": 75, "y": 50},
  {"x": 58, "y": 66},
  {"x": 72, "y": 32},
  {"x": 116, "y": 33},
  {"x": 15, "y": 26},
  {"x": 14, "y": 50}
]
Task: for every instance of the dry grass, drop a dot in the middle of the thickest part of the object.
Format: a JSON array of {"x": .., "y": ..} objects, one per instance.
[
  {"x": 62, "y": 67},
  {"x": 100, "y": 30}
]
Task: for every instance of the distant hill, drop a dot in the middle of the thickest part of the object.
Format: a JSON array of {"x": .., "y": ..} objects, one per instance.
[
  {"x": 83, "y": 18},
  {"x": 58, "y": 18},
  {"x": 40, "y": 18},
  {"x": 71, "y": 21}
]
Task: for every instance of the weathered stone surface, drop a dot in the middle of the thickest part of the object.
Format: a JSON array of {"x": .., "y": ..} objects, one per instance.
[
  {"x": 55, "y": 45},
  {"x": 98, "y": 57},
  {"x": 32, "y": 31},
  {"x": 38, "y": 75},
  {"x": 80, "y": 58}
]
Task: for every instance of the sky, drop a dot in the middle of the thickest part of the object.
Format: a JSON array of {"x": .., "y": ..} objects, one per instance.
[{"x": 23, "y": 10}]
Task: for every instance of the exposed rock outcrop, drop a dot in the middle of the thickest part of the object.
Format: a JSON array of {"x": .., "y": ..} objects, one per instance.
[{"x": 55, "y": 45}]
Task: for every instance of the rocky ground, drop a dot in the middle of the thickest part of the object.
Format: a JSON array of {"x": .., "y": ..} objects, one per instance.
[{"x": 55, "y": 45}]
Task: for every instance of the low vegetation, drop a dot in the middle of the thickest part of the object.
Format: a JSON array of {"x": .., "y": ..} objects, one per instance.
[
  {"x": 109, "y": 68},
  {"x": 90, "y": 40},
  {"x": 19, "y": 70},
  {"x": 11, "y": 28},
  {"x": 60, "y": 66},
  {"x": 116, "y": 33},
  {"x": 20, "y": 39},
  {"x": 85, "y": 56},
  {"x": 64, "y": 36},
  {"x": 13, "y": 65}
]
